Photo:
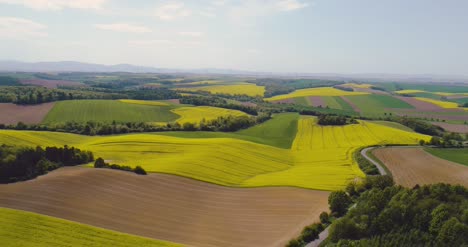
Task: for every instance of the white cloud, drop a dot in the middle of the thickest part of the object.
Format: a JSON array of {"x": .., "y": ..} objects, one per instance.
[
  {"x": 19, "y": 28},
  {"x": 191, "y": 34},
  {"x": 149, "y": 42},
  {"x": 123, "y": 27},
  {"x": 289, "y": 5},
  {"x": 255, "y": 8},
  {"x": 172, "y": 11},
  {"x": 253, "y": 51},
  {"x": 57, "y": 4}
]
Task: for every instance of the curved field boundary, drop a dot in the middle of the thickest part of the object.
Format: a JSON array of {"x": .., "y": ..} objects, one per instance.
[
  {"x": 20, "y": 228},
  {"x": 411, "y": 166},
  {"x": 168, "y": 207},
  {"x": 29, "y": 114},
  {"x": 321, "y": 157}
]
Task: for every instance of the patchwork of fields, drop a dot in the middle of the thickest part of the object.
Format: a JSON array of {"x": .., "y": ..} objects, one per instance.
[
  {"x": 320, "y": 157},
  {"x": 321, "y": 91},
  {"x": 198, "y": 113},
  {"x": 411, "y": 166}
]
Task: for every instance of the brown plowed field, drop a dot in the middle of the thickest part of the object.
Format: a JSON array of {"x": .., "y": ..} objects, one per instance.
[
  {"x": 411, "y": 166},
  {"x": 169, "y": 207},
  {"x": 457, "y": 128},
  {"x": 51, "y": 83},
  {"x": 317, "y": 101},
  {"x": 29, "y": 114}
]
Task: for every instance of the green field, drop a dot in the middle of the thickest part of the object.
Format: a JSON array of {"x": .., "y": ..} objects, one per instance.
[
  {"x": 457, "y": 155},
  {"x": 377, "y": 103},
  {"x": 20, "y": 228},
  {"x": 394, "y": 86},
  {"x": 394, "y": 125},
  {"x": 108, "y": 111},
  {"x": 278, "y": 132}
]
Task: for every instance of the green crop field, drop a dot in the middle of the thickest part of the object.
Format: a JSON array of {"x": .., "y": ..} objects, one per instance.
[
  {"x": 108, "y": 111},
  {"x": 457, "y": 155},
  {"x": 394, "y": 125},
  {"x": 278, "y": 132},
  {"x": 377, "y": 103},
  {"x": 20, "y": 228}
]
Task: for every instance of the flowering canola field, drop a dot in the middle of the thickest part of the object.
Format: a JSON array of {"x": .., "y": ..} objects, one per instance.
[
  {"x": 240, "y": 88},
  {"x": 443, "y": 104},
  {"x": 321, "y": 157},
  {"x": 319, "y": 91},
  {"x": 197, "y": 113}
]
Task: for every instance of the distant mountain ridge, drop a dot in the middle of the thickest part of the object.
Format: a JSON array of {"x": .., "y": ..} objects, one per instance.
[{"x": 73, "y": 66}]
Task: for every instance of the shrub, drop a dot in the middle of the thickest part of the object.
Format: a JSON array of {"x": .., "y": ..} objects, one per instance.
[{"x": 139, "y": 170}]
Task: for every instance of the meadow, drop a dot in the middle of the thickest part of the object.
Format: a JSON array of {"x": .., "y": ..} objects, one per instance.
[
  {"x": 374, "y": 103},
  {"x": 320, "y": 157},
  {"x": 457, "y": 155},
  {"x": 20, "y": 228},
  {"x": 442, "y": 104},
  {"x": 320, "y": 91},
  {"x": 108, "y": 111}
]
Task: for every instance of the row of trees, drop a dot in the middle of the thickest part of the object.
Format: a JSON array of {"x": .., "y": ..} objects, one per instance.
[
  {"x": 227, "y": 124},
  {"x": 100, "y": 163},
  {"x": 23, "y": 163},
  {"x": 335, "y": 120}
]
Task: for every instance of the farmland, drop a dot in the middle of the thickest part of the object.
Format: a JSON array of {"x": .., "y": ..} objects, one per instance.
[
  {"x": 411, "y": 166},
  {"x": 107, "y": 111},
  {"x": 20, "y": 228},
  {"x": 457, "y": 155},
  {"x": 377, "y": 103},
  {"x": 321, "y": 157},
  {"x": 198, "y": 113},
  {"x": 238, "y": 88},
  {"x": 161, "y": 206},
  {"x": 30, "y": 114},
  {"x": 322, "y": 91}
]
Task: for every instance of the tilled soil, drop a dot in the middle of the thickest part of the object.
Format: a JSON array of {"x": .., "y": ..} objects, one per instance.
[
  {"x": 411, "y": 166},
  {"x": 169, "y": 207}
]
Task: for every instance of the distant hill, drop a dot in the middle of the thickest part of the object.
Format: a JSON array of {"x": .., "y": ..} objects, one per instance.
[{"x": 72, "y": 66}]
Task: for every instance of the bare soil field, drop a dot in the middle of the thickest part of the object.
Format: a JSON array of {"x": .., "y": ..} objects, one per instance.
[
  {"x": 29, "y": 114},
  {"x": 51, "y": 83},
  {"x": 354, "y": 106},
  {"x": 317, "y": 101},
  {"x": 420, "y": 105},
  {"x": 411, "y": 166},
  {"x": 169, "y": 207},
  {"x": 285, "y": 101},
  {"x": 457, "y": 128}
]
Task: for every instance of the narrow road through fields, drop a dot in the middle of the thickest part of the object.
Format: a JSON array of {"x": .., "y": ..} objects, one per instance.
[
  {"x": 324, "y": 234},
  {"x": 379, "y": 167}
]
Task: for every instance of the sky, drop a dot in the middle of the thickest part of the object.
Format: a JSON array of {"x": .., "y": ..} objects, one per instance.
[{"x": 309, "y": 36}]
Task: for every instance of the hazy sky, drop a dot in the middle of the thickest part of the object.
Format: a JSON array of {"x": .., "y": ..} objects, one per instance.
[{"x": 316, "y": 36}]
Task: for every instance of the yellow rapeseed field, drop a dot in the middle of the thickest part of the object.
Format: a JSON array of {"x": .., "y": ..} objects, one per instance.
[
  {"x": 443, "y": 104},
  {"x": 144, "y": 102},
  {"x": 320, "y": 158},
  {"x": 238, "y": 88},
  {"x": 356, "y": 85},
  {"x": 409, "y": 91},
  {"x": 320, "y": 91},
  {"x": 197, "y": 113}
]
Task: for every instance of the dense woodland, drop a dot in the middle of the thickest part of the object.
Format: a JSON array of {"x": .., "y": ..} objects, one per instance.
[
  {"x": 23, "y": 163},
  {"x": 375, "y": 212}
]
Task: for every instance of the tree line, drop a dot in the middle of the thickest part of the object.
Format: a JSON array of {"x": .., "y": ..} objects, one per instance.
[
  {"x": 335, "y": 120},
  {"x": 19, "y": 163},
  {"x": 100, "y": 163},
  {"x": 223, "y": 123}
]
